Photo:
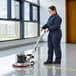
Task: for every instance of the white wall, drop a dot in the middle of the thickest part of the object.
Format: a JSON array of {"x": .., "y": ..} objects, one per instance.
[
  {"x": 60, "y": 4},
  {"x": 12, "y": 44}
]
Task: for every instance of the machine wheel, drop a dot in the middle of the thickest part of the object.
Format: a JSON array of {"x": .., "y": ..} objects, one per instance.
[{"x": 32, "y": 63}]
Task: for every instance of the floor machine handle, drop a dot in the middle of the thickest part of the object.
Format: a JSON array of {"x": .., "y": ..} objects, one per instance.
[{"x": 39, "y": 38}]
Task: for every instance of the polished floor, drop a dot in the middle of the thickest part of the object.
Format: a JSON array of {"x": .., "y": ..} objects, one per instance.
[{"x": 67, "y": 67}]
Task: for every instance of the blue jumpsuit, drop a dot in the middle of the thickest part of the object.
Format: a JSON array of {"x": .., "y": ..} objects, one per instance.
[{"x": 54, "y": 37}]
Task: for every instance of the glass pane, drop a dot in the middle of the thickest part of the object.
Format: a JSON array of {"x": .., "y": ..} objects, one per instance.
[
  {"x": 3, "y": 9},
  {"x": 26, "y": 11},
  {"x": 15, "y": 9},
  {"x": 34, "y": 13},
  {"x": 9, "y": 30},
  {"x": 31, "y": 29},
  {"x": 34, "y": 1}
]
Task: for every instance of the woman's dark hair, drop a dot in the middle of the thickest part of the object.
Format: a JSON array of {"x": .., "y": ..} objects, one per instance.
[{"x": 53, "y": 8}]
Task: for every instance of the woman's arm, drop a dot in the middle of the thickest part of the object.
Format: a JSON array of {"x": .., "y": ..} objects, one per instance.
[{"x": 45, "y": 26}]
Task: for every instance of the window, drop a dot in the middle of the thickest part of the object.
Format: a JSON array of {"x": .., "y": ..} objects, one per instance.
[
  {"x": 19, "y": 19},
  {"x": 9, "y": 30},
  {"x": 15, "y": 9},
  {"x": 35, "y": 13},
  {"x": 26, "y": 11},
  {"x": 31, "y": 29},
  {"x": 34, "y": 1},
  {"x": 3, "y": 9}
]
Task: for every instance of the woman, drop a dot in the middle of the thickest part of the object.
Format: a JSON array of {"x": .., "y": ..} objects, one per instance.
[{"x": 54, "y": 37}]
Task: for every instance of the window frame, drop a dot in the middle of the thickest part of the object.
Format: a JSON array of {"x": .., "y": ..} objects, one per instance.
[{"x": 21, "y": 15}]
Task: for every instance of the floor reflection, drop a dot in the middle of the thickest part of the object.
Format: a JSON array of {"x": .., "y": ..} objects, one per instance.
[
  {"x": 53, "y": 71},
  {"x": 6, "y": 61}
]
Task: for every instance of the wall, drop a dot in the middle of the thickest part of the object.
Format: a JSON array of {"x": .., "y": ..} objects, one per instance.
[
  {"x": 60, "y": 4},
  {"x": 17, "y": 43}
]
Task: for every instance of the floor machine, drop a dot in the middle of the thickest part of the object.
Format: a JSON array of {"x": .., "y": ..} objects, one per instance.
[{"x": 26, "y": 61}]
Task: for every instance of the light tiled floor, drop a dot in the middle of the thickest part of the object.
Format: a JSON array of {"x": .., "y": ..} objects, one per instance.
[{"x": 67, "y": 67}]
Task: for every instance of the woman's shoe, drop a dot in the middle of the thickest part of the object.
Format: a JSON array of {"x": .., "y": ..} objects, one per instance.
[
  {"x": 47, "y": 62},
  {"x": 56, "y": 62}
]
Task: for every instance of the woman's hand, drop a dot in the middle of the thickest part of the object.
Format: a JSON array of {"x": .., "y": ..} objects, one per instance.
[
  {"x": 46, "y": 30},
  {"x": 42, "y": 29}
]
